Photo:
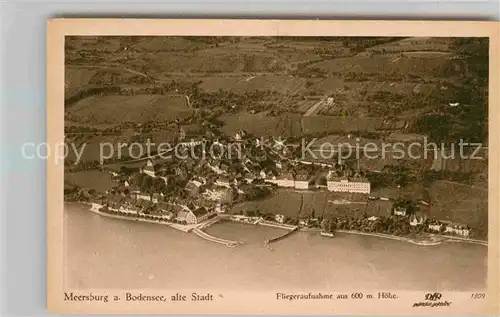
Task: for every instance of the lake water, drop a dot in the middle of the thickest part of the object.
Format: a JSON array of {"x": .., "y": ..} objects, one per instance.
[{"x": 102, "y": 252}]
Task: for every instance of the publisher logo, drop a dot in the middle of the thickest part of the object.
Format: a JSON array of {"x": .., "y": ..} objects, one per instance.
[
  {"x": 432, "y": 300},
  {"x": 433, "y": 296}
]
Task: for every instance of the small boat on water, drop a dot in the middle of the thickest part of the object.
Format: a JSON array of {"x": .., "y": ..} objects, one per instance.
[{"x": 327, "y": 234}]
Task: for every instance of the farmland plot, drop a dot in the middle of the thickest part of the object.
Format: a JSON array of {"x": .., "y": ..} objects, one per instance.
[
  {"x": 282, "y": 202},
  {"x": 99, "y": 181},
  {"x": 460, "y": 203},
  {"x": 139, "y": 108}
]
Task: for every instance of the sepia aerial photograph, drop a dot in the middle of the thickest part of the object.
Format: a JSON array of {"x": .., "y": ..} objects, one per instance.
[{"x": 276, "y": 163}]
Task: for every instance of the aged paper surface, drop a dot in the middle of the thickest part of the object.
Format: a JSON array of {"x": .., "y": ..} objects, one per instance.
[{"x": 272, "y": 167}]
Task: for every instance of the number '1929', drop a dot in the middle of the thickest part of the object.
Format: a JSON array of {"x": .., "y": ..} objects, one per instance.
[{"x": 478, "y": 296}]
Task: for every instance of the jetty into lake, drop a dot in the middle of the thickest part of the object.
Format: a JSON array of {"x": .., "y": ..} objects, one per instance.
[
  {"x": 206, "y": 236},
  {"x": 286, "y": 234}
]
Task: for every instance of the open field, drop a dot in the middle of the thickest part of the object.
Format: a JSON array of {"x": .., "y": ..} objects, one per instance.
[
  {"x": 99, "y": 181},
  {"x": 362, "y": 85},
  {"x": 76, "y": 78},
  {"x": 336, "y": 139},
  {"x": 89, "y": 146},
  {"x": 261, "y": 124},
  {"x": 319, "y": 124},
  {"x": 117, "y": 146},
  {"x": 467, "y": 165},
  {"x": 79, "y": 78},
  {"x": 452, "y": 202},
  {"x": 107, "y": 44},
  {"x": 290, "y": 124},
  {"x": 254, "y": 82},
  {"x": 302, "y": 204},
  {"x": 139, "y": 109},
  {"x": 415, "y": 44},
  {"x": 172, "y": 44},
  {"x": 412, "y": 191},
  {"x": 283, "y": 202},
  {"x": 390, "y": 64},
  {"x": 459, "y": 203},
  {"x": 304, "y": 105}
]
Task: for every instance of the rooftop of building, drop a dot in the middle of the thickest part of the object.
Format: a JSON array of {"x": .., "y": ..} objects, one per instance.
[{"x": 200, "y": 211}]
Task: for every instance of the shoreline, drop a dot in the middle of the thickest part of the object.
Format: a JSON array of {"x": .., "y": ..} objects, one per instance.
[
  {"x": 397, "y": 238},
  {"x": 433, "y": 239},
  {"x": 131, "y": 218},
  {"x": 195, "y": 229},
  {"x": 380, "y": 235}
]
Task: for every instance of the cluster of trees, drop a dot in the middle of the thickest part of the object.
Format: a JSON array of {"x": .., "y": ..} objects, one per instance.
[
  {"x": 455, "y": 176},
  {"x": 80, "y": 129},
  {"x": 227, "y": 99},
  {"x": 385, "y": 96},
  {"x": 468, "y": 121},
  {"x": 74, "y": 193},
  {"x": 112, "y": 83},
  {"x": 398, "y": 226},
  {"x": 401, "y": 175},
  {"x": 212, "y": 39},
  {"x": 309, "y": 72},
  {"x": 85, "y": 57},
  {"x": 397, "y": 103},
  {"x": 328, "y": 225},
  {"x": 360, "y": 44},
  {"x": 409, "y": 205},
  {"x": 136, "y": 80},
  {"x": 150, "y": 185},
  {"x": 328, "y": 52},
  {"x": 392, "y": 175},
  {"x": 252, "y": 100},
  {"x": 93, "y": 91},
  {"x": 380, "y": 77},
  {"x": 257, "y": 192},
  {"x": 70, "y": 165}
]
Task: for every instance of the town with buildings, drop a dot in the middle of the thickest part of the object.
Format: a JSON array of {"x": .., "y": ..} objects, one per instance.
[
  {"x": 169, "y": 193},
  {"x": 269, "y": 99}
]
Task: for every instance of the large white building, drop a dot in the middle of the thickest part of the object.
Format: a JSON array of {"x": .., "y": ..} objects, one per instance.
[
  {"x": 356, "y": 184},
  {"x": 285, "y": 180},
  {"x": 302, "y": 181},
  {"x": 196, "y": 216}
]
